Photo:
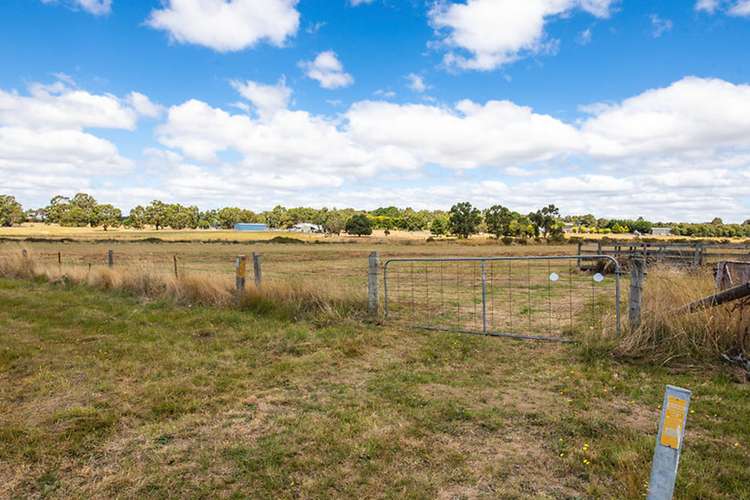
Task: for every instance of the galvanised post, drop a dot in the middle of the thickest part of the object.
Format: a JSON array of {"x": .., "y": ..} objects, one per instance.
[{"x": 484, "y": 299}]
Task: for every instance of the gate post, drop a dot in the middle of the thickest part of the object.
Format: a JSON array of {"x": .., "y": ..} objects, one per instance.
[
  {"x": 484, "y": 299},
  {"x": 110, "y": 258},
  {"x": 240, "y": 267},
  {"x": 637, "y": 273},
  {"x": 257, "y": 270},
  {"x": 372, "y": 284}
]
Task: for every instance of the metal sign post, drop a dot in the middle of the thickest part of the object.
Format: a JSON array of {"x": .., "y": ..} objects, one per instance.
[{"x": 674, "y": 413}]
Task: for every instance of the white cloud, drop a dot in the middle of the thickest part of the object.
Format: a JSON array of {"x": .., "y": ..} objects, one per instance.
[
  {"x": 95, "y": 7},
  {"x": 45, "y": 138},
  {"x": 739, "y": 8},
  {"x": 659, "y": 26},
  {"x": 227, "y": 25},
  {"x": 356, "y": 3},
  {"x": 498, "y": 32},
  {"x": 327, "y": 70},
  {"x": 584, "y": 37},
  {"x": 470, "y": 135},
  {"x": 267, "y": 99},
  {"x": 678, "y": 152},
  {"x": 144, "y": 106},
  {"x": 416, "y": 83},
  {"x": 60, "y": 106},
  {"x": 709, "y": 6},
  {"x": 691, "y": 116}
]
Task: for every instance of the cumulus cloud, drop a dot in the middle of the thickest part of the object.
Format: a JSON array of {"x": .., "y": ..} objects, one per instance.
[
  {"x": 469, "y": 135},
  {"x": 659, "y": 26},
  {"x": 267, "y": 99},
  {"x": 486, "y": 34},
  {"x": 327, "y": 70},
  {"x": 95, "y": 7},
  {"x": 739, "y": 8},
  {"x": 416, "y": 83},
  {"x": 691, "y": 116},
  {"x": 45, "y": 137},
  {"x": 679, "y": 152},
  {"x": 227, "y": 25}
]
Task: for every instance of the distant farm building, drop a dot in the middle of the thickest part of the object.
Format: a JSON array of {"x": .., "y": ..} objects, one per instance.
[
  {"x": 661, "y": 231},
  {"x": 254, "y": 227},
  {"x": 306, "y": 227}
]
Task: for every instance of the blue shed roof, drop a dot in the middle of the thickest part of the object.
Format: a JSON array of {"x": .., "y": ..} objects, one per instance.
[{"x": 250, "y": 226}]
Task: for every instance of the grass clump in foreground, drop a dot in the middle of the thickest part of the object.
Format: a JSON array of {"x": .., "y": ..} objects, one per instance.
[
  {"x": 105, "y": 394},
  {"x": 290, "y": 299},
  {"x": 669, "y": 336}
]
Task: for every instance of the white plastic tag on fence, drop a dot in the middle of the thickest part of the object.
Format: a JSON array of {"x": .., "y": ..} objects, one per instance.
[
  {"x": 598, "y": 277},
  {"x": 554, "y": 277}
]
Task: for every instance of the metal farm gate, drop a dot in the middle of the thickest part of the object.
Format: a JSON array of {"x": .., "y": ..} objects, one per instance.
[{"x": 542, "y": 298}]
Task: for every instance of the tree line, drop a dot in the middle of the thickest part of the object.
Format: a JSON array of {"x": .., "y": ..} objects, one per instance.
[{"x": 462, "y": 220}]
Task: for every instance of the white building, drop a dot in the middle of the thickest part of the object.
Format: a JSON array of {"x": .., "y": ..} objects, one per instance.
[
  {"x": 306, "y": 227},
  {"x": 661, "y": 231}
]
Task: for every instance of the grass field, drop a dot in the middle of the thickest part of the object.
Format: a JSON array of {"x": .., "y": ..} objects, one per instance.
[
  {"x": 102, "y": 394},
  {"x": 105, "y": 391}
]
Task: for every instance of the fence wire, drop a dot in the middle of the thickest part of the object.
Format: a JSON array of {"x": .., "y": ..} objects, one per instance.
[{"x": 556, "y": 297}]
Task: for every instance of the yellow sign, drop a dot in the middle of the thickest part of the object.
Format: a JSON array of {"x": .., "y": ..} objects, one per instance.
[
  {"x": 674, "y": 416},
  {"x": 241, "y": 267}
]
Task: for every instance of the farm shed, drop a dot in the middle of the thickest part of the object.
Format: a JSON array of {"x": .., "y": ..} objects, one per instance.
[
  {"x": 306, "y": 227},
  {"x": 661, "y": 231},
  {"x": 244, "y": 226}
]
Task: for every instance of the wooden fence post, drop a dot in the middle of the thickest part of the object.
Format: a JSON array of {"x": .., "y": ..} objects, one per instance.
[
  {"x": 110, "y": 258},
  {"x": 174, "y": 259},
  {"x": 372, "y": 284},
  {"x": 59, "y": 260},
  {"x": 698, "y": 255},
  {"x": 257, "y": 270},
  {"x": 580, "y": 251},
  {"x": 637, "y": 274},
  {"x": 240, "y": 270}
]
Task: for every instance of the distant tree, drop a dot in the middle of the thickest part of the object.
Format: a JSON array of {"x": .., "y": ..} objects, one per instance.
[
  {"x": 137, "y": 218},
  {"x": 334, "y": 222},
  {"x": 157, "y": 214},
  {"x": 108, "y": 216},
  {"x": 464, "y": 219},
  {"x": 11, "y": 212},
  {"x": 717, "y": 221},
  {"x": 277, "y": 218},
  {"x": 746, "y": 223},
  {"x": 439, "y": 226},
  {"x": 545, "y": 219},
  {"x": 359, "y": 225},
  {"x": 391, "y": 212},
  {"x": 56, "y": 208},
  {"x": 498, "y": 219}
]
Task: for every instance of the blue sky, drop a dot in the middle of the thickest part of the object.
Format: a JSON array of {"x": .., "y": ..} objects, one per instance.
[{"x": 620, "y": 108}]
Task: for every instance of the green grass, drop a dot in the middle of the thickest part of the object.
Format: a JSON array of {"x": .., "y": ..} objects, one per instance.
[{"x": 102, "y": 394}]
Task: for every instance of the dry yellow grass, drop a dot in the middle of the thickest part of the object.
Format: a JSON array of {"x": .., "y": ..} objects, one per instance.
[
  {"x": 294, "y": 299},
  {"x": 666, "y": 334}
]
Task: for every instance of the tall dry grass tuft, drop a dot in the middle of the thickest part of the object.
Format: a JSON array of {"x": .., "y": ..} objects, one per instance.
[
  {"x": 667, "y": 335},
  {"x": 199, "y": 290},
  {"x": 322, "y": 301},
  {"x": 18, "y": 266}
]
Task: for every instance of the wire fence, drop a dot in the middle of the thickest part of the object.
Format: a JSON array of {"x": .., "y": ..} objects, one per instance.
[{"x": 542, "y": 297}]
